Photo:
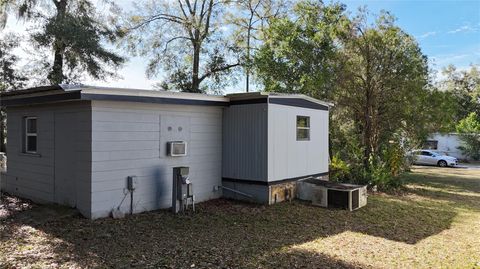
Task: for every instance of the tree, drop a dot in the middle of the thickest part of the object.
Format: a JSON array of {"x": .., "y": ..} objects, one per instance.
[
  {"x": 298, "y": 54},
  {"x": 250, "y": 18},
  {"x": 75, "y": 33},
  {"x": 469, "y": 130},
  {"x": 464, "y": 88},
  {"x": 382, "y": 83},
  {"x": 375, "y": 74},
  {"x": 10, "y": 78},
  {"x": 185, "y": 39}
]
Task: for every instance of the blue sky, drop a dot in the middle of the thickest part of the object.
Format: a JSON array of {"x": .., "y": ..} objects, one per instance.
[{"x": 448, "y": 32}]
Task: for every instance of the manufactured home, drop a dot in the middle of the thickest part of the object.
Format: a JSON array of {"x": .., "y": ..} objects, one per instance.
[
  {"x": 448, "y": 143},
  {"x": 105, "y": 149}
]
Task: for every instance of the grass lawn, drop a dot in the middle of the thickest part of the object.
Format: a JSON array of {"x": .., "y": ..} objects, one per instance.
[{"x": 435, "y": 223}]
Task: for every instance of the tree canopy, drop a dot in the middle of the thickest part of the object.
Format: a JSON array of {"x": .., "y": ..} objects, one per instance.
[
  {"x": 75, "y": 33},
  {"x": 184, "y": 39},
  {"x": 385, "y": 100}
]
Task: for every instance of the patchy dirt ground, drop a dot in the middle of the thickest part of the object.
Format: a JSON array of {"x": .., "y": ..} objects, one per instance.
[{"x": 434, "y": 224}]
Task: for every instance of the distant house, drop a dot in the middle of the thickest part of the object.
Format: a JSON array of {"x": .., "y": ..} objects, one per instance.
[
  {"x": 446, "y": 143},
  {"x": 96, "y": 148}
]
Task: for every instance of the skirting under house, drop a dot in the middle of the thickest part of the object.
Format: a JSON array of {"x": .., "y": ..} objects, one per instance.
[{"x": 106, "y": 149}]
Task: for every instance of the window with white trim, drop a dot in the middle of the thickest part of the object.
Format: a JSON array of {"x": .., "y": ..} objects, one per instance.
[
  {"x": 30, "y": 135},
  {"x": 303, "y": 128}
]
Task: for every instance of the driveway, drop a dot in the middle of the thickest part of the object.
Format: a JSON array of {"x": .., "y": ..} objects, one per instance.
[{"x": 471, "y": 165}]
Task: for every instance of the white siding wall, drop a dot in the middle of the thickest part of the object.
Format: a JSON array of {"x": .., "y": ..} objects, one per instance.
[
  {"x": 289, "y": 158},
  {"x": 130, "y": 139},
  {"x": 34, "y": 176},
  {"x": 449, "y": 143}
]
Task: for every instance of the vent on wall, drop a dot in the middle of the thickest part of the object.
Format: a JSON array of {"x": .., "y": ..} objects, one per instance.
[{"x": 177, "y": 148}]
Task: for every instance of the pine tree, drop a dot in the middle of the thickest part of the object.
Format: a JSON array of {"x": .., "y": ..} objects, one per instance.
[{"x": 75, "y": 33}]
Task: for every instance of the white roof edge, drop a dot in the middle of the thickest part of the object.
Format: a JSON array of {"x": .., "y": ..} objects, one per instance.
[
  {"x": 302, "y": 96},
  {"x": 86, "y": 89},
  {"x": 147, "y": 93},
  {"x": 247, "y": 95}
]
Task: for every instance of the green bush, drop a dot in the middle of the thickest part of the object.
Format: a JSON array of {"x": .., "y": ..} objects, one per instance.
[
  {"x": 383, "y": 169},
  {"x": 339, "y": 169},
  {"x": 469, "y": 130}
]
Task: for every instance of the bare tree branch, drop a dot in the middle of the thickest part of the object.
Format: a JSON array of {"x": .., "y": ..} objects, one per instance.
[{"x": 219, "y": 69}]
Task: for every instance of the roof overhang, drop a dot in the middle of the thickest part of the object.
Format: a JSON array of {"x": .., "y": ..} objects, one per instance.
[
  {"x": 66, "y": 93},
  {"x": 53, "y": 94},
  {"x": 296, "y": 100}
]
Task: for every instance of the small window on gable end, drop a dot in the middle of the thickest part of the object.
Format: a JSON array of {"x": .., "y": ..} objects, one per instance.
[
  {"x": 303, "y": 128},
  {"x": 30, "y": 135}
]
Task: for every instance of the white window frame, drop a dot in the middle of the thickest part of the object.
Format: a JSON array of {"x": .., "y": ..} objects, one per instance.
[
  {"x": 302, "y": 128},
  {"x": 27, "y": 135}
]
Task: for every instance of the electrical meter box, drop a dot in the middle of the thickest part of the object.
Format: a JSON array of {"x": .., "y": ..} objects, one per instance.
[
  {"x": 182, "y": 194},
  {"x": 132, "y": 183}
]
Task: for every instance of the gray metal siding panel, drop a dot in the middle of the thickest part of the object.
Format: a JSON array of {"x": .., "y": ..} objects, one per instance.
[
  {"x": 34, "y": 176},
  {"x": 139, "y": 133},
  {"x": 245, "y": 142},
  {"x": 30, "y": 176}
]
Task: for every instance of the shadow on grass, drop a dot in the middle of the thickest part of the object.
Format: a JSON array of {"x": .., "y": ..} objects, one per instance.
[
  {"x": 304, "y": 259},
  {"x": 455, "y": 190},
  {"x": 223, "y": 233},
  {"x": 453, "y": 199},
  {"x": 458, "y": 179}
]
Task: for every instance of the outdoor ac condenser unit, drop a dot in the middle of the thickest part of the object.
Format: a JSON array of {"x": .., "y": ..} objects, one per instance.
[{"x": 332, "y": 194}]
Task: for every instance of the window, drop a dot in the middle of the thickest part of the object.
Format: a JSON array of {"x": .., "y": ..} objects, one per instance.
[
  {"x": 426, "y": 153},
  {"x": 431, "y": 144},
  {"x": 303, "y": 128},
  {"x": 30, "y": 136}
]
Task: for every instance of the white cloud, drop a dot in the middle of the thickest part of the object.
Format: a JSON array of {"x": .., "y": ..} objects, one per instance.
[
  {"x": 442, "y": 60},
  {"x": 427, "y": 34},
  {"x": 463, "y": 29}
]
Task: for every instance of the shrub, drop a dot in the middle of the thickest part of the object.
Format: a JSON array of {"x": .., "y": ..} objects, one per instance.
[
  {"x": 469, "y": 129},
  {"x": 339, "y": 169},
  {"x": 383, "y": 171}
]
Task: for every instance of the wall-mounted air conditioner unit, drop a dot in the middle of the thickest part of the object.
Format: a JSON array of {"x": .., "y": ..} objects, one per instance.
[
  {"x": 332, "y": 194},
  {"x": 177, "y": 148}
]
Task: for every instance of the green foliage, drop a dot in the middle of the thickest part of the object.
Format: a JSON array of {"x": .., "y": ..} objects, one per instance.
[
  {"x": 185, "y": 41},
  {"x": 248, "y": 19},
  {"x": 75, "y": 33},
  {"x": 469, "y": 130},
  {"x": 384, "y": 169},
  {"x": 375, "y": 74},
  {"x": 10, "y": 78},
  {"x": 464, "y": 90},
  {"x": 298, "y": 54},
  {"x": 382, "y": 83},
  {"x": 339, "y": 169}
]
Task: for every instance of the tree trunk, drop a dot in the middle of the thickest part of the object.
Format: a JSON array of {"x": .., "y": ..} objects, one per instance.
[
  {"x": 56, "y": 74},
  {"x": 196, "y": 67},
  {"x": 247, "y": 78},
  {"x": 367, "y": 134},
  {"x": 2, "y": 131}
]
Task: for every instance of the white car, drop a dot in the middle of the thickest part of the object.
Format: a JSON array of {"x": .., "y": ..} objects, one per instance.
[{"x": 432, "y": 158}]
